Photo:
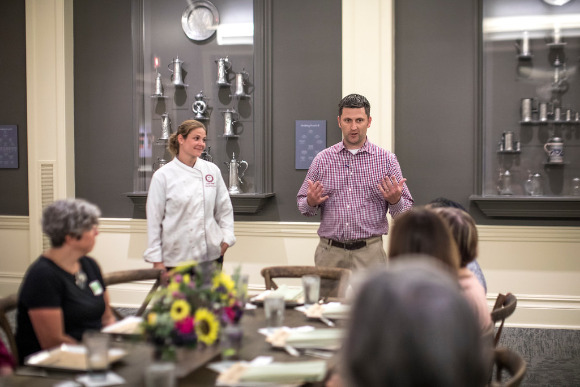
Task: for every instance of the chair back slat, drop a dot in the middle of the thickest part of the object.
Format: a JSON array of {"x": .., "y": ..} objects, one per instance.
[
  {"x": 127, "y": 276},
  {"x": 338, "y": 276},
  {"x": 8, "y": 304}
]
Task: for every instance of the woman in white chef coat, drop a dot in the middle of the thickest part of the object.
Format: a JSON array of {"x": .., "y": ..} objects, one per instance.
[{"x": 189, "y": 212}]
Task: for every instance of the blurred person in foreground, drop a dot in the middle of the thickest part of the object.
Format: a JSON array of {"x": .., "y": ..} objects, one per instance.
[
  {"x": 189, "y": 211},
  {"x": 63, "y": 293},
  {"x": 473, "y": 265},
  {"x": 464, "y": 232},
  {"x": 425, "y": 231},
  {"x": 418, "y": 328}
]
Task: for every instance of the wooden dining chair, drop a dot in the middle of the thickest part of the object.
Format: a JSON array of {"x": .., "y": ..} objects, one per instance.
[
  {"x": 336, "y": 278},
  {"x": 513, "y": 363},
  {"x": 8, "y": 304},
  {"x": 505, "y": 305},
  {"x": 127, "y": 276}
]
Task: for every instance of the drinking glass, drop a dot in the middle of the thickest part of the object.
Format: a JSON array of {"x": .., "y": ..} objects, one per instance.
[
  {"x": 311, "y": 286},
  {"x": 160, "y": 374},
  {"x": 97, "y": 345},
  {"x": 274, "y": 310}
]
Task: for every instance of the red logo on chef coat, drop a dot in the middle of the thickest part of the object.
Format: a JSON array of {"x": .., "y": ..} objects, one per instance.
[{"x": 209, "y": 181}]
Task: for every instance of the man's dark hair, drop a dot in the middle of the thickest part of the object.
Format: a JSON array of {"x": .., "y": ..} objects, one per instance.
[
  {"x": 444, "y": 202},
  {"x": 354, "y": 101}
]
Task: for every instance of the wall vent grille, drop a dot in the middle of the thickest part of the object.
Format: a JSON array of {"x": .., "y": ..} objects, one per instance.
[{"x": 47, "y": 193}]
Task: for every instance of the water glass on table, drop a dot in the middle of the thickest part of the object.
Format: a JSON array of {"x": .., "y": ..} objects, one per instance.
[
  {"x": 160, "y": 374},
  {"x": 311, "y": 286},
  {"x": 97, "y": 345},
  {"x": 274, "y": 310}
]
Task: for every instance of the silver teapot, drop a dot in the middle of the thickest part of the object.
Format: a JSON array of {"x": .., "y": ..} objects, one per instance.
[{"x": 235, "y": 175}]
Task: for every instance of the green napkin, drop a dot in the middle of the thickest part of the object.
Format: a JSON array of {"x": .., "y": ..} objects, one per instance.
[
  {"x": 317, "y": 338},
  {"x": 304, "y": 371},
  {"x": 290, "y": 294}
]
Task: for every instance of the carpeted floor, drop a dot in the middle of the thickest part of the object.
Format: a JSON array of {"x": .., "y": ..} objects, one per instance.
[{"x": 552, "y": 355}]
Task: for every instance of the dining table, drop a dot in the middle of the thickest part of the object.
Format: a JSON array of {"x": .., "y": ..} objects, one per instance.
[{"x": 191, "y": 364}]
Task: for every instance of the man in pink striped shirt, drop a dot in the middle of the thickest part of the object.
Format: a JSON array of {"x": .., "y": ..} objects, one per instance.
[{"x": 353, "y": 184}]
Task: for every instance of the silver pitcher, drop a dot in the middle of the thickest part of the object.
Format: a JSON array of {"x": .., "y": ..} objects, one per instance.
[
  {"x": 230, "y": 116},
  {"x": 507, "y": 140},
  {"x": 159, "y": 163},
  {"x": 235, "y": 176},
  {"x": 526, "y": 109},
  {"x": 504, "y": 184},
  {"x": 241, "y": 79},
  {"x": 534, "y": 185},
  {"x": 176, "y": 68},
  {"x": 223, "y": 66},
  {"x": 165, "y": 127}
]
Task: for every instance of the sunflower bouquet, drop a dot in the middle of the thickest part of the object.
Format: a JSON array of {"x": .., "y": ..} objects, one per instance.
[{"x": 196, "y": 303}]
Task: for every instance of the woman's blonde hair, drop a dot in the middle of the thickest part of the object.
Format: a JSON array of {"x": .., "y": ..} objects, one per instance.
[{"x": 184, "y": 129}]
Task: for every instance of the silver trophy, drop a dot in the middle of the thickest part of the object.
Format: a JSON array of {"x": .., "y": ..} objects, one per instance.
[
  {"x": 224, "y": 65},
  {"x": 230, "y": 116},
  {"x": 199, "y": 107},
  {"x": 176, "y": 68},
  {"x": 241, "y": 79},
  {"x": 165, "y": 127},
  {"x": 235, "y": 176}
]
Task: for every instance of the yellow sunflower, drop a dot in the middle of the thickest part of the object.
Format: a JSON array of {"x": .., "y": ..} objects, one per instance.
[
  {"x": 179, "y": 310},
  {"x": 222, "y": 279},
  {"x": 152, "y": 318},
  {"x": 207, "y": 326},
  {"x": 173, "y": 286}
]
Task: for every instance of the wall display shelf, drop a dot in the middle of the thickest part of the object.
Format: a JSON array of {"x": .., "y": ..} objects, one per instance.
[
  {"x": 530, "y": 121},
  {"x": 230, "y": 76}
]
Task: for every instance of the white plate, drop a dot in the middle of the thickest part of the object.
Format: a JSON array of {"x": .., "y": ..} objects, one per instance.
[
  {"x": 200, "y": 20},
  {"x": 68, "y": 357}
]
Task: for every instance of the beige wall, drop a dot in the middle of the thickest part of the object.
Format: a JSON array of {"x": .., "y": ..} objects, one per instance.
[{"x": 539, "y": 264}]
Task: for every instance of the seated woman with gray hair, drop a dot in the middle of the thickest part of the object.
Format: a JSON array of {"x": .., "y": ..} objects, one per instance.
[
  {"x": 63, "y": 293},
  {"x": 410, "y": 326}
]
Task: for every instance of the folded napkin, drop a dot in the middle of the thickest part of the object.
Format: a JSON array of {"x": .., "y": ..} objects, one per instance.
[
  {"x": 316, "y": 338},
  {"x": 127, "y": 326},
  {"x": 275, "y": 373},
  {"x": 289, "y": 294},
  {"x": 335, "y": 310}
]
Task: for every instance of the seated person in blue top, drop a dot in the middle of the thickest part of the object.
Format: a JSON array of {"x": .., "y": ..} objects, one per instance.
[{"x": 63, "y": 293}]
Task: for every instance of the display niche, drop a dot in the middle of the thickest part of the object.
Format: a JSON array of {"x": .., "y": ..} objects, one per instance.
[
  {"x": 208, "y": 61},
  {"x": 531, "y": 110}
]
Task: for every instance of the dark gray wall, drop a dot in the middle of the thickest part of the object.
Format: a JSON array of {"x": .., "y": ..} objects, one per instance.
[
  {"x": 14, "y": 182},
  {"x": 307, "y": 83},
  {"x": 104, "y": 135},
  {"x": 437, "y": 95}
]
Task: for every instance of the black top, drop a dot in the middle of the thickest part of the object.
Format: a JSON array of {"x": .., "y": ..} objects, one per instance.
[{"x": 46, "y": 285}]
